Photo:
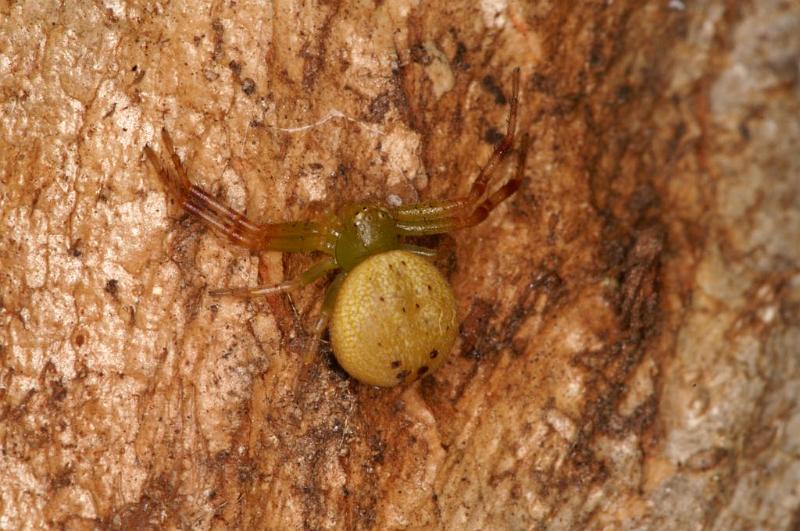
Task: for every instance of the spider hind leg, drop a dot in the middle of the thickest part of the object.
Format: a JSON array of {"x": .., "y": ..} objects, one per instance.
[{"x": 303, "y": 279}]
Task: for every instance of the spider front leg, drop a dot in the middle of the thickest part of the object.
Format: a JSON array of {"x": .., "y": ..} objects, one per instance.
[
  {"x": 444, "y": 216},
  {"x": 457, "y": 207},
  {"x": 460, "y": 215},
  {"x": 287, "y": 237}
]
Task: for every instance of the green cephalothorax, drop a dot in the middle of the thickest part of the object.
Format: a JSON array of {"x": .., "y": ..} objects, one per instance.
[
  {"x": 392, "y": 314},
  {"x": 366, "y": 230}
]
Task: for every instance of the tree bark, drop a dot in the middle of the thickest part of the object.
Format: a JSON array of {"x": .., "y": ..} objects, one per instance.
[{"x": 629, "y": 352}]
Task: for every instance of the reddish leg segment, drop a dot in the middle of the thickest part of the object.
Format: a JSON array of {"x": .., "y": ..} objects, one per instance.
[
  {"x": 464, "y": 207},
  {"x": 288, "y": 237},
  {"x": 424, "y": 224}
]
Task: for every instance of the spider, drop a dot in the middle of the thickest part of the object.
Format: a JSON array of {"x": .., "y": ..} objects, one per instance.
[{"x": 392, "y": 314}]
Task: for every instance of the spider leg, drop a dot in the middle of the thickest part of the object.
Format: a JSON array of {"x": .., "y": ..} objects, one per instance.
[
  {"x": 423, "y": 224},
  {"x": 303, "y": 279},
  {"x": 453, "y": 208},
  {"x": 289, "y": 237},
  {"x": 481, "y": 182},
  {"x": 324, "y": 317},
  {"x": 416, "y": 249}
]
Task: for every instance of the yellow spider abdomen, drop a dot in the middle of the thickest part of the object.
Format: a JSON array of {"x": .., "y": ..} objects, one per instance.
[{"x": 394, "y": 319}]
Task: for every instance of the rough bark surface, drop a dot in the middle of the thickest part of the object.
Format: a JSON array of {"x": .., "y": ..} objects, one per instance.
[{"x": 629, "y": 349}]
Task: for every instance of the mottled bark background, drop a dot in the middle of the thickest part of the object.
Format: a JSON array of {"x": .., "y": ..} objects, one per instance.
[{"x": 629, "y": 355}]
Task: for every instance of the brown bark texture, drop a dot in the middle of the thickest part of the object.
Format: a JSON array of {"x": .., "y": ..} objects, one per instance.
[{"x": 629, "y": 350}]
